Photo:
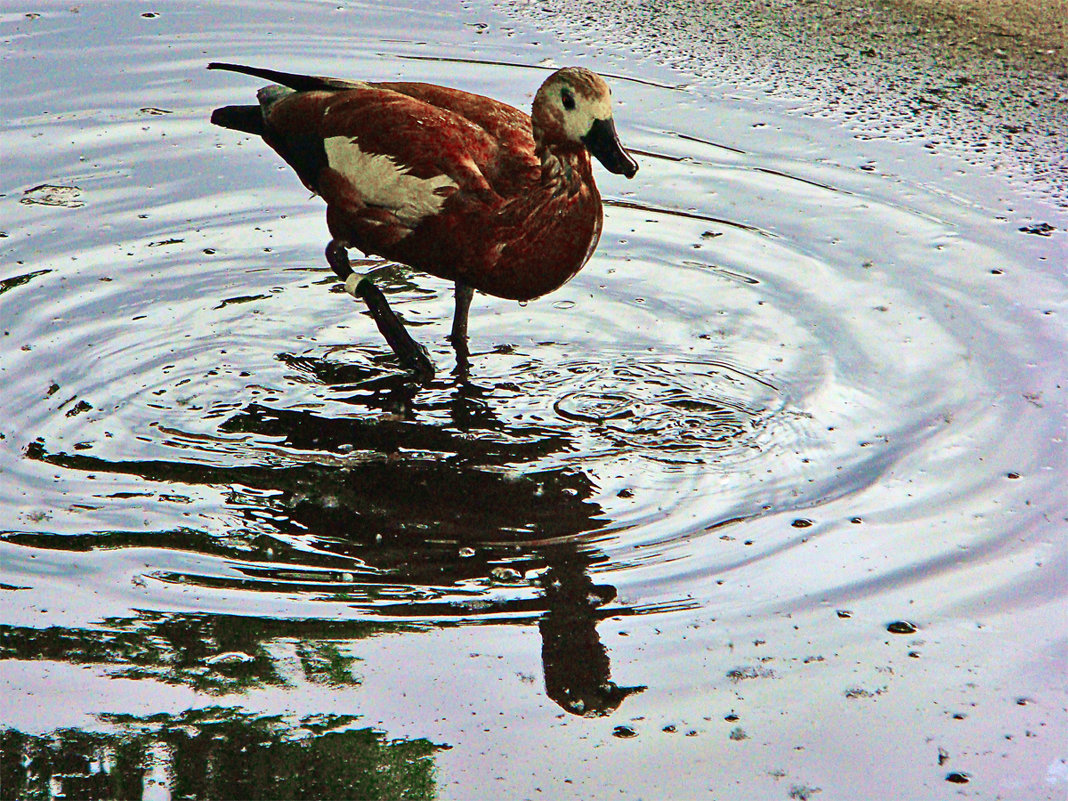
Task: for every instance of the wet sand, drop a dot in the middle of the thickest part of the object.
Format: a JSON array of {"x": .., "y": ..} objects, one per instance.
[{"x": 987, "y": 79}]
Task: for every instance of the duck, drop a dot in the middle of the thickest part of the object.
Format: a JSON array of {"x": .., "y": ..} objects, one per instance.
[{"x": 451, "y": 183}]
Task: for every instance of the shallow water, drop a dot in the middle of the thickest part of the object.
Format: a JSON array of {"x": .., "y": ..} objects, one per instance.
[{"x": 810, "y": 386}]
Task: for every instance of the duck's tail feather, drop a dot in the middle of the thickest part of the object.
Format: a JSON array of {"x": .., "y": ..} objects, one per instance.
[
  {"x": 239, "y": 118},
  {"x": 302, "y": 83}
]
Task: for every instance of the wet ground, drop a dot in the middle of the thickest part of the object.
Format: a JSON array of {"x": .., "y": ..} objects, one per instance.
[{"x": 766, "y": 503}]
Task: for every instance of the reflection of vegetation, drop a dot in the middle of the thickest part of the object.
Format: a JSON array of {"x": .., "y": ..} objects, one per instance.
[
  {"x": 217, "y": 753},
  {"x": 324, "y": 663},
  {"x": 210, "y": 653},
  {"x": 18, "y": 280},
  {"x": 179, "y": 539}
]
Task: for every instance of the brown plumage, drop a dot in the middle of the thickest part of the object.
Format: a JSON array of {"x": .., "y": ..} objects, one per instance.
[{"x": 455, "y": 184}]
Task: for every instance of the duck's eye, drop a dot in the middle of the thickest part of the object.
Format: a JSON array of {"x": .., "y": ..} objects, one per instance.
[{"x": 567, "y": 99}]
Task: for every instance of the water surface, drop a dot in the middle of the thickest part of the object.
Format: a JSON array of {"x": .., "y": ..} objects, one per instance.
[{"x": 767, "y": 500}]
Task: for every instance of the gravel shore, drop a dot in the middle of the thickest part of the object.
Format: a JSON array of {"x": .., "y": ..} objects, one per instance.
[{"x": 1027, "y": 34}]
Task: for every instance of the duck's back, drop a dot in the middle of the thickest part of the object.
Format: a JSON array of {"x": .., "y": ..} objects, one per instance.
[
  {"x": 427, "y": 132},
  {"x": 506, "y": 125}
]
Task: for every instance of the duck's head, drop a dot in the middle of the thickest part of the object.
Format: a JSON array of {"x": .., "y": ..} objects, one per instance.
[{"x": 574, "y": 106}]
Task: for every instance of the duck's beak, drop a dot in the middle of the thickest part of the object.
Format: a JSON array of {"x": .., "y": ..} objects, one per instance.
[{"x": 603, "y": 142}]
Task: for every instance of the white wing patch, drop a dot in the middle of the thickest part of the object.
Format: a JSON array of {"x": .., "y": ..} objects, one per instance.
[{"x": 381, "y": 181}]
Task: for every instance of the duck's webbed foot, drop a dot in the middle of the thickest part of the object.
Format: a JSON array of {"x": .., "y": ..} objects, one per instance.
[{"x": 412, "y": 356}]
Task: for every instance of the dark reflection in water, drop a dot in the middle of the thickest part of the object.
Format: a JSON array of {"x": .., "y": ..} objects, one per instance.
[
  {"x": 217, "y": 753},
  {"x": 419, "y": 479},
  {"x": 575, "y": 662},
  {"x": 391, "y": 517},
  {"x": 213, "y": 654}
]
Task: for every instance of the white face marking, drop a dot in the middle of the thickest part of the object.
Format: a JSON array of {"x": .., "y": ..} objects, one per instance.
[
  {"x": 579, "y": 120},
  {"x": 381, "y": 181}
]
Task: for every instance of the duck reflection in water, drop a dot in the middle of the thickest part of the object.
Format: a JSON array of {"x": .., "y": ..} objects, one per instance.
[
  {"x": 576, "y": 664},
  {"x": 385, "y": 508},
  {"x": 397, "y": 514}
]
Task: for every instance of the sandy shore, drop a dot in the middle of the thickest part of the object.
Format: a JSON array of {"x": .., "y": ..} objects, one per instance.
[{"x": 1035, "y": 31}]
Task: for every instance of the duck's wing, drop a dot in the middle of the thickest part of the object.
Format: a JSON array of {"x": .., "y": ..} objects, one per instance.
[
  {"x": 507, "y": 164},
  {"x": 378, "y": 141},
  {"x": 510, "y": 128}
]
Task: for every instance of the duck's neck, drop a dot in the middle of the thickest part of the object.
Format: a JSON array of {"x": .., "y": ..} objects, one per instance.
[{"x": 564, "y": 168}]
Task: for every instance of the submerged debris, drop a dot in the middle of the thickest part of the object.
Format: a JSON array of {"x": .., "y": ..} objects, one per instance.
[
  {"x": 506, "y": 575},
  {"x": 1039, "y": 229},
  {"x": 53, "y": 195},
  {"x": 901, "y": 627}
]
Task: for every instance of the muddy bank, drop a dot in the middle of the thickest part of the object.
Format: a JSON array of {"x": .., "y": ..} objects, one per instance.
[{"x": 986, "y": 81}]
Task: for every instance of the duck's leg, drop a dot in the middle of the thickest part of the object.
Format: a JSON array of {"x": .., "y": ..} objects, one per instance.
[
  {"x": 464, "y": 293},
  {"x": 412, "y": 355}
]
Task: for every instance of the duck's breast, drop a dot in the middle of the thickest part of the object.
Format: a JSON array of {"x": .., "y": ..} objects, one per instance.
[{"x": 557, "y": 241}]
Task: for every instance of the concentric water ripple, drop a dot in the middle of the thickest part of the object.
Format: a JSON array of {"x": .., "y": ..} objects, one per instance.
[{"x": 709, "y": 366}]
